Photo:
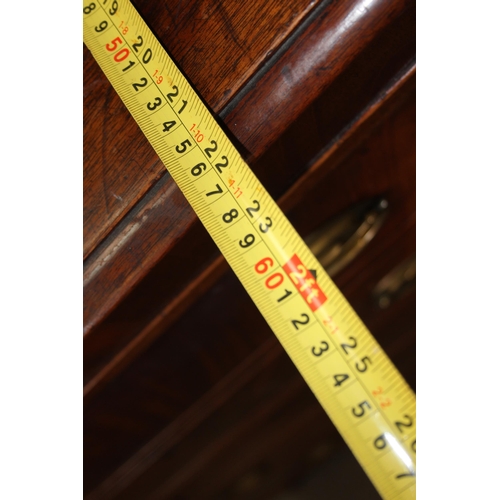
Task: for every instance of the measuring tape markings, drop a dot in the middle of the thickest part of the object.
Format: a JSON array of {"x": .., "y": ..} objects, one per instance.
[{"x": 256, "y": 244}]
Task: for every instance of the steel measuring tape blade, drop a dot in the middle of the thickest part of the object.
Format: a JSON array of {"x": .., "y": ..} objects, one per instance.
[{"x": 359, "y": 388}]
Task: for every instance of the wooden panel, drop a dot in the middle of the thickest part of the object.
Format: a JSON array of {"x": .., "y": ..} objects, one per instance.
[{"x": 318, "y": 56}]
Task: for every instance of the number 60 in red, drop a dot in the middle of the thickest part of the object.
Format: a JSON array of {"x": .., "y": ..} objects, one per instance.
[
  {"x": 273, "y": 281},
  {"x": 262, "y": 266}
]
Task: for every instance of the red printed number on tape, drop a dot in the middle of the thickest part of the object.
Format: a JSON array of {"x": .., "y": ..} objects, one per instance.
[{"x": 305, "y": 282}]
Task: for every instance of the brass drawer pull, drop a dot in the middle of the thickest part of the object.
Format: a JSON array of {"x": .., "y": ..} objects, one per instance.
[
  {"x": 339, "y": 241},
  {"x": 401, "y": 279}
]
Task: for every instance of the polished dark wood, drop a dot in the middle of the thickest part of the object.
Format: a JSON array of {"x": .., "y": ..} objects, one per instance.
[
  {"x": 188, "y": 394},
  {"x": 313, "y": 60}
]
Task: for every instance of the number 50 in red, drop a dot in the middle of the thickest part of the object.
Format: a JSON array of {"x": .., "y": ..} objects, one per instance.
[{"x": 122, "y": 54}]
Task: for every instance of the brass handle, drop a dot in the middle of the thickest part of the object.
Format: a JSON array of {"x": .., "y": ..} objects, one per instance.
[
  {"x": 340, "y": 240},
  {"x": 396, "y": 283}
]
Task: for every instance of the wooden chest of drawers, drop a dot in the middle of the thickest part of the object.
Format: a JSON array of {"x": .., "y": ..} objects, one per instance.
[{"x": 187, "y": 392}]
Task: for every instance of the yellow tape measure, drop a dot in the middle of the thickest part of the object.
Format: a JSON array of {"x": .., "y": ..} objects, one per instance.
[{"x": 359, "y": 388}]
